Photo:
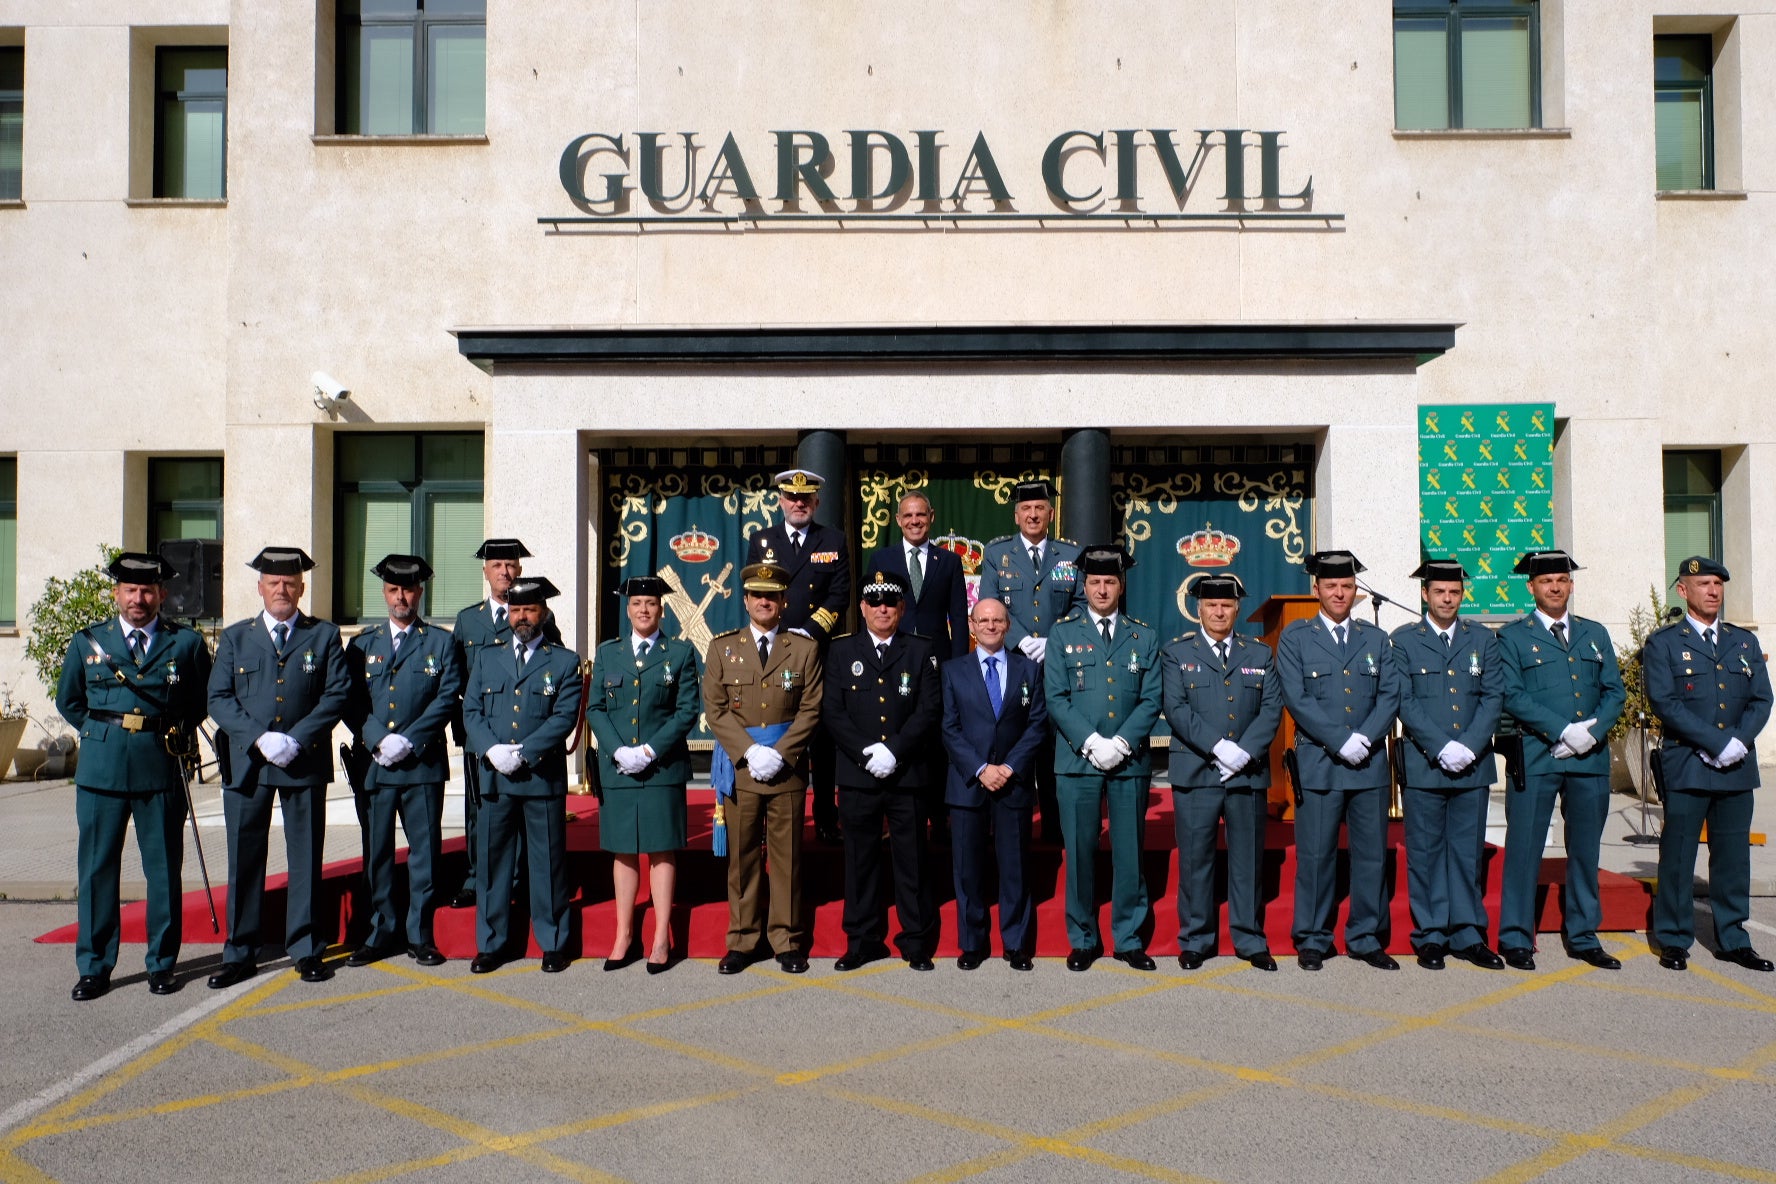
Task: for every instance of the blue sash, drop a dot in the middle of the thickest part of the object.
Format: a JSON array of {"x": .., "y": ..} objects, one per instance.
[{"x": 721, "y": 765}]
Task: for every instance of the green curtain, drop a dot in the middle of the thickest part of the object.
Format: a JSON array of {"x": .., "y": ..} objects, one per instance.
[
  {"x": 456, "y": 73},
  {"x": 8, "y": 541},
  {"x": 385, "y": 82},
  {"x": 1421, "y": 73},
  {"x": 1678, "y": 131},
  {"x": 375, "y": 525},
  {"x": 1495, "y": 72},
  {"x": 453, "y": 531}
]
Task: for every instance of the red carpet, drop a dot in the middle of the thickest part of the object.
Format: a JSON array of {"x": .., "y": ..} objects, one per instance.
[{"x": 700, "y": 918}]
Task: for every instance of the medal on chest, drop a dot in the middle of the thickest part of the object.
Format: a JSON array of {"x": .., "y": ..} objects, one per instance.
[
  {"x": 548, "y": 683},
  {"x": 308, "y": 661}
]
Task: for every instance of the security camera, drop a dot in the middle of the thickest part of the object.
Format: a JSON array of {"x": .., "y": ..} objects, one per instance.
[{"x": 329, "y": 391}]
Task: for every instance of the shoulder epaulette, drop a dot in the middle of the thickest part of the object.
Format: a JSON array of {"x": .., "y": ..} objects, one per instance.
[
  {"x": 1004, "y": 538},
  {"x": 1072, "y": 616},
  {"x": 1136, "y": 621},
  {"x": 843, "y": 636},
  {"x": 1183, "y": 636},
  {"x": 1069, "y": 542},
  {"x": 728, "y": 633}
]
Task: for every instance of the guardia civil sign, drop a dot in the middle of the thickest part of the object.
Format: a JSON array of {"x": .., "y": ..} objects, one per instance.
[{"x": 1486, "y": 494}]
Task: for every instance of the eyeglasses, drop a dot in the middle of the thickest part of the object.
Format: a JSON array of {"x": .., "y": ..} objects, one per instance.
[{"x": 877, "y": 600}]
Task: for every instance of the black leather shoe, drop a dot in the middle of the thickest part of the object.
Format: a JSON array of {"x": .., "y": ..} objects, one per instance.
[
  {"x": 313, "y": 970},
  {"x": 1481, "y": 955},
  {"x": 971, "y": 959},
  {"x": 921, "y": 964},
  {"x": 630, "y": 957},
  {"x": 486, "y": 963},
  {"x": 1310, "y": 959},
  {"x": 231, "y": 973},
  {"x": 1518, "y": 957},
  {"x": 1081, "y": 959},
  {"x": 426, "y": 954},
  {"x": 1019, "y": 960},
  {"x": 733, "y": 962},
  {"x": 554, "y": 962},
  {"x": 365, "y": 954},
  {"x": 1190, "y": 960},
  {"x": 830, "y": 835},
  {"x": 1747, "y": 957},
  {"x": 1431, "y": 956},
  {"x": 163, "y": 982},
  {"x": 1672, "y": 958},
  {"x": 1597, "y": 957},
  {"x": 792, "y": 962},
  {"x": 1136, "y": 959},
  {"x": 860, "y": 956},
  {"x": 1379, "y": 959},
  {"x": 90, "y": 987},
  {"x": 464, "y": 898},
  {"x": 1262, "y": 960}
]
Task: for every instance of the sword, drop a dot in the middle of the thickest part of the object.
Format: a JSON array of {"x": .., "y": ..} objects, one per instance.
[{"x": 184, "y": 754}]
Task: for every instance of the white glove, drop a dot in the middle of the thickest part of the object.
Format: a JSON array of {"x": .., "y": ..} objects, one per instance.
[
  {"x": 1122, "y": 747},
  {"x": 1732, "y": 754},
  {"x": 631, "y": 760},
  {"x": 1227, "y": 774},
  {"x": 506, "y": 758},
  {"x": 392, "y": 749},
  {"x": 1034, "y": 647},
  {"x": 278, "y": 747},
  {"x": 803, "y": 632},
  {"x": 765, "y": 763},
  {"x": 1578, "y": 737},
  {"x": 1355, "y": 750},
  {"x": 879, "y": 761},
  {"x": 1707, "y": 760},
  {"x": 1561, "y": 751},
  {"x": 1231, "y": 757},
  {"x": 1102, "y": 753},
  {"x": 1455, "y": 757}
]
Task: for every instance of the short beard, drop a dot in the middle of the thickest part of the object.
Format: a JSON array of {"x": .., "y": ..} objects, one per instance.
[{"x": 525, "y": 633}]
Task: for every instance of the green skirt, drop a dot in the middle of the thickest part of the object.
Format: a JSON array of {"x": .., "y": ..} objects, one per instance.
[{"x": 634, "y": 821}]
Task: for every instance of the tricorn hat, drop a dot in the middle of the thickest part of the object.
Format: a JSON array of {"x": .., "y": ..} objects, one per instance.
[
  {"x": 281, "y": 561},
  {"x": 502, "y": 549},
  {"x": 1333, "y": 565},
  {"x": 138, "y": 567},
  {"x": 405, "y": 571},
  {"x": 531, "y": 590},
  {"x": 1545, "y": 563}
]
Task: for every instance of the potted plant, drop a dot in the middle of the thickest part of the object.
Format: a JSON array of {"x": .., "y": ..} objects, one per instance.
[
  {"x": 1637, "y": 731},
  {"x": 13, "y": 717},
  {"x": 67, "y": 606}
]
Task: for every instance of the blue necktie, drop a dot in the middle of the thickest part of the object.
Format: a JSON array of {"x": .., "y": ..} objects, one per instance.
[
  {"x": 994, "y": 695},
  {"x": 280, "y": 633}
]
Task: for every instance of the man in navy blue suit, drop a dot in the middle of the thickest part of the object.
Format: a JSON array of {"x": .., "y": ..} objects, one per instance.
[
  {"x": 938, "y": 605},
  {"x": 994, "y": 722}
]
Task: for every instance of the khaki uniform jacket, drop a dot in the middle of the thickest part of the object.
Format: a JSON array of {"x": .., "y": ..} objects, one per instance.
[{"x": 738, "y": 695}]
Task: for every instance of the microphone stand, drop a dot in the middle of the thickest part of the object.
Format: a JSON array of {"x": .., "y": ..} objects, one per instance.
[{"x": 1377, "y": 600}]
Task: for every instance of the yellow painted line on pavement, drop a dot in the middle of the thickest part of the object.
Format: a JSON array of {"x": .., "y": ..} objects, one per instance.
[
  {"x": 14, "y": 1170},
  {"x": 1758, "y": 1003},
  {"x": 1595, "y": 1050}
]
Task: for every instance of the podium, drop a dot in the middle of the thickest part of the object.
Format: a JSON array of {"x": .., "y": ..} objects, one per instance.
[{"x": 1272, "y": 617}]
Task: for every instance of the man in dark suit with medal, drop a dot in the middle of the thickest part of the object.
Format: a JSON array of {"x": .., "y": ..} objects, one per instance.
[
  {"x": 406, "y": 687},
  {"x": 1342, "y": 686},
  {"x": 994, "y": 723},
  {"x": 520, "y": 705},
  {"x": 278, "y": 687},
  {"x": 133, "y": 687},
  {"x": 1564, "y": 689},
  {"x": 880, "y": 707},
  {"x": 1451, "y": 692},
  {"x": 1102, "y": 683},
  {"x": 1223, "y": 703},
  {"x": 485, "y": 623},
  {"x": 937, "y": 589},
  {"x": 814, "y": 565},
  {"x": 1710, "y": 687}
]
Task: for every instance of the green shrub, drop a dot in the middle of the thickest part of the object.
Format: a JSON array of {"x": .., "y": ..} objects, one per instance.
[{"x": 66, "y": 607}]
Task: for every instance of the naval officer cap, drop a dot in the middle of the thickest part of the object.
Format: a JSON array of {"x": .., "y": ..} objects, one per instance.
[
  {"x": 1702, "y": 565},
  {"x": 885, "y": 587},
  {"x": 502, "y": 549},
  {"x": 1225, "y": 586},
  {"x": 1103, "y": 559},
  {"x": 404, "y": 571},
  {"x": 642, "y": 586},
  {"x": 802, "y": 482},
  {"x": 1333, "y": 565},
  {"x": 1440, "y": 569},
  {"x": 763, "y": 577},
  {"x": 1032, "y": 491},
  {"x": 138, "y": 567},
  {"x": 531, "y": 590},
  {"x": 1545, "y": 563},
  {"x": 281, "y": 561}
]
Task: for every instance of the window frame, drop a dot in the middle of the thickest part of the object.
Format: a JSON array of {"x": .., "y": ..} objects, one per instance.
[
  {"x": 418, "y": 492},
  {"x": 1705, "y": 88},
  {"x": 162, "y": 94},
  {"x": 9, "y": 563},
  {"x": 1714, "y": 503},
  {"x": 11, "y": 95},
  {"x": 1453, "y": 11},
  {"x": 349, "y": 31},
  {"x": 158, "y": 505}
]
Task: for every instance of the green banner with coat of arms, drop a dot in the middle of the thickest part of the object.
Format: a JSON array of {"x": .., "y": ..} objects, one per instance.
[{"x": 1486, "y": 494}]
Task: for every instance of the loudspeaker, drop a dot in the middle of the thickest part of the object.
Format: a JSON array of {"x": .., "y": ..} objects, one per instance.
[{"x": 194, "y": 587}]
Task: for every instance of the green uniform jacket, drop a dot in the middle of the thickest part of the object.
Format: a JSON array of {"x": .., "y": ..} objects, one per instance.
[
  {"x": 1547, "y": 688},
  {"x": 536, "y": 705},
  {"x": 1034, "y": 600},
  {"x": 1114, "y": 692},
  {"x": 654, "y": 701},
  {"x": 473, "y": 630},
  {"x": 411, "y": 693},
  {"x": 170, "y": 683},
  {"x": 302, "y": 692}
]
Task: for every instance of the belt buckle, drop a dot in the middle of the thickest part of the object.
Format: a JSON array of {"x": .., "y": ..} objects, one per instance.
[{"x": 133, "y": 721}]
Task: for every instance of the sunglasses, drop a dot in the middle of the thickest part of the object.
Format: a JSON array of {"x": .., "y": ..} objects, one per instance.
[{"x": 877, "y": 600}]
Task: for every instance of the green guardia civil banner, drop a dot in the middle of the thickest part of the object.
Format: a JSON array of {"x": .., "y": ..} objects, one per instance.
[
  {"x": 1486, "y": 494},
  {"x": 1183, "y": 522}
]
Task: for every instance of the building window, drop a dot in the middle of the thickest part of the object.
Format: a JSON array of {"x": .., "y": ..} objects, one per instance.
[
  {"x": 1467, "y": 64},
  {"x": 8, "y": 540},
  {"x": 412, "y": 67},
  {"x": 407, "y": 493},
  {"x": 1683, "y": 110},
  {"x": 12, "y": 123},
  {"x": 1692, "y": 507},
  {"x": 191, "y": 122},
  {"x": 184, "y": 499}
]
